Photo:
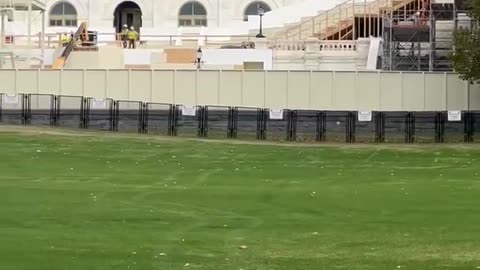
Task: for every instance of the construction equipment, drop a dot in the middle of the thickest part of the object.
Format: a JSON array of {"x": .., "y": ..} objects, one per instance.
[{"x": 82, "y": 35}]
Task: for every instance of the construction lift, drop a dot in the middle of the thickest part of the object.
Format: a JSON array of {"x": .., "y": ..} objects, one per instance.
[{"x": 81, "y": 35}]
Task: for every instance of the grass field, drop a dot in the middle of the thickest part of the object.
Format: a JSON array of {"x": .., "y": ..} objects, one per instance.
[{"x": 115, "y": 202}]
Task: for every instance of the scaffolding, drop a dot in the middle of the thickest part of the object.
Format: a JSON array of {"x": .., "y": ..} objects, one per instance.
[
  {"x": 419, "y": 37},
  {"x": 7, "y": 8}
]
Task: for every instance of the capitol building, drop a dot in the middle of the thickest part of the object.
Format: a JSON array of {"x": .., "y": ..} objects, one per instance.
[{"x": 149, "y": 16}]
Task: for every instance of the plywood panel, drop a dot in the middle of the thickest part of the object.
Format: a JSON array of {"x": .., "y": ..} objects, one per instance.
[
  {"x": 391, "y": 92},
  {"x": 8, "y": 77},
  {"x": 72, "y": 82},
  {"x": 367, "y": 91},
  {"x": 253, "y": 89},
  {"x": 49, "y": 81},
  {"x": 140, "y": 85},
  {"x": 298, "y": 93},
  {"x": 231, "y": 88},
  {"x": 321, "y": 91},
  {"x": 27, "y": 81},
  {"x": 413, "y": 91},
  {"x": 457, "y": 93},
  {"x": 117, "y": 84},
  {"x": 276, "y": 89},
  {"x": 344, "y": 91},
  {"x": 185, "y": 87},
  {"x": 435, "y": 91},
  {"x": 95, "y": 83},
  {"x": 208, "y": 87},
  {"x": 177, "y": 55},
  {"x": 163, "y": 89},
  {"x": 474, "y": 97}
]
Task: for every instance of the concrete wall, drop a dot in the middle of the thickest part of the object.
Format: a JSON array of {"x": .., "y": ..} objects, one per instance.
[{"x": 319, "y": 90}]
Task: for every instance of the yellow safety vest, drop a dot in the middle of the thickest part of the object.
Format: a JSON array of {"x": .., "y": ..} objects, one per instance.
[
  {"x": 64, "y": 39},
  {"x": 132, "y": 34}
]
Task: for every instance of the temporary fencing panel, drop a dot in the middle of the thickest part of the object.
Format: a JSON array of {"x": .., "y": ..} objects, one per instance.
[
  {"x": 366, "y": 130},
  {"x": 13, "y": 109},
  {"x": 278, "y": 125},
  {"x": 159, "y": 118},
  {"x": 429, "y": 127},
  {"x": 336, "y": 126},
  {"x": 309, "y": 125},
  {"x": 98, "y": 114},
  {"x": 69, "y": 111},
  {"x": 128, "y": 116},
  {"x": 219, "y": 121},
  {"x": 41, "y": 109},
  {"x": 189, "y": 121},
  {"x": 249, "y": 123},
  {"x": 395, "y": 127}
]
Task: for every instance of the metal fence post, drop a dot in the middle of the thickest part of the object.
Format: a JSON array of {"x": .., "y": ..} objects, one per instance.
[
  {"x": 321, "y": 132},
  {"x": 379, "y": 127},
  {"x": 410, "y": 127},
  {"x": 439, "y": 127}
]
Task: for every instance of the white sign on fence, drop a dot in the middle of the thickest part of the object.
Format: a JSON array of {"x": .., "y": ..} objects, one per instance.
[
  {"x": 10, "y": 99},
  {"x": 189, "y": 110},
  {"x": 454, "y": 115},
  {"x": 276, "y": 114},
  {"x": 98, "y": 103},
  {"x": 364, "y": 116}
]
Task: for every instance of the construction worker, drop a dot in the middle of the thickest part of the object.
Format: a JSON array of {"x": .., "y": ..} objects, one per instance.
[
  {"x": 64, "y": 40},
  {"x": 123, "y": 35},
  {"x": 132, "y": 36}
]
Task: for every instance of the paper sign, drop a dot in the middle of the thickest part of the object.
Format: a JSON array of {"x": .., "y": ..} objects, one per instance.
[
  {"x": 98, "y": 103},
  {"x": 276, "y": 114},
  {"x": 454, "y": 116},
  {"x": 10, "y": 99},
  {"x": 364, "y": 116},
  {"x": 189, "y": 110}
]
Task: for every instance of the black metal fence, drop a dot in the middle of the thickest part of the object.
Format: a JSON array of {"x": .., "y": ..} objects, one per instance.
[{"x": 223, "y": 122}]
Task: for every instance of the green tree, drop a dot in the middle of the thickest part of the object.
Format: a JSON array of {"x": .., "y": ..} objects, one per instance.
[{"x": 466, "y": 57}]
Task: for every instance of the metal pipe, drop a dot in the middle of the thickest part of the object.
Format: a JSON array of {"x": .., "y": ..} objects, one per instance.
[
  {"x": 339, "y": 23},
  {"x": 29, "y": 26},
  {"x": 369, "y": 20},
  {"x": 364, "y": 18},
  {"x": 2, "y": 34},
  {"x": 353, "y": 20},
  {"x": 42, "y": 36}
]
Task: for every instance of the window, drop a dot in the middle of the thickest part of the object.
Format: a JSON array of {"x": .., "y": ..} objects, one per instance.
[
  {"x": 192, "y": 14},
  {"x": 63, "y": 14},
  {"x": 252, "y": 9}
]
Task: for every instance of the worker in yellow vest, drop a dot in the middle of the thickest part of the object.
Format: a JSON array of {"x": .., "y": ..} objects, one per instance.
[
  {"x": 132, "y": 36},
  {"x": 64, "y": 39},
  {"x": 123, "y": 35}
]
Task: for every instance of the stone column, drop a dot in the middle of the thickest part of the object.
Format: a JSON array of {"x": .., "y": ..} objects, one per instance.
[{"x": 312, "y": 54}]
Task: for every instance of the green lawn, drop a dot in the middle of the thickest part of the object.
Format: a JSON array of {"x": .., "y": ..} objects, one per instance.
[{"x": 116, "y": 202}]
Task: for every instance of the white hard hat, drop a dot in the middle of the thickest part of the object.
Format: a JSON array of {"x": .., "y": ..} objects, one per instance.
[
  {"x": 131, "y": 27},
  {"x": 125, "y": 26}
]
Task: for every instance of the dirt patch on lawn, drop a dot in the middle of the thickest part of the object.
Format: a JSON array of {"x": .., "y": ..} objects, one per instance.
[{"x": 53, "y": 131}]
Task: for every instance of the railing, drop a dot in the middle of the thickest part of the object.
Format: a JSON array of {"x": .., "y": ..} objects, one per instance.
[
  {"x": 330, "y": 22},
  {"x": 52, "y": 40},
  {"x": 320, "y": 45}
]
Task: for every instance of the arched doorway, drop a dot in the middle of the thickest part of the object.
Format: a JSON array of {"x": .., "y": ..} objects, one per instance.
[
  {"x": 252, "y": 9},
  {"x": 128, "y": 13}
]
